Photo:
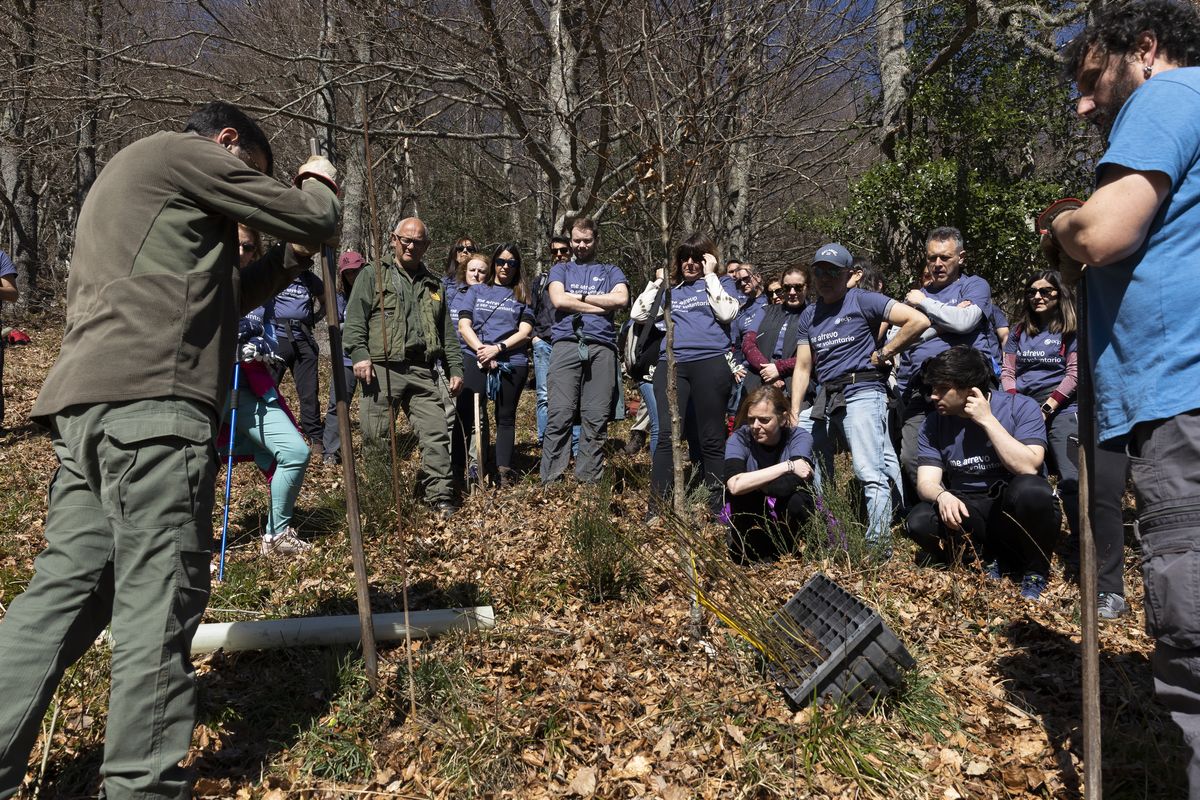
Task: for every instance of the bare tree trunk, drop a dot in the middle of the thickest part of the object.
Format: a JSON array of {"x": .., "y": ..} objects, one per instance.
[
  {"x": 514, "y": 204},
  {"x": 737, "y": 201},
  {"x": 17, "y": 163},
  {"x": 327, "y": 97},
  {"x": 85, "y": 153},
  {"x": 893, "y": 72},
  {"x": 562, "y": 95},
  {"x": 354, "y": 182}
]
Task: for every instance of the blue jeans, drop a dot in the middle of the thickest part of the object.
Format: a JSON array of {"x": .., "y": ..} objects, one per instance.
[
  {"x": 864, "y": 425},
  {"x": 646, "y": 389},
  {"x": 541, "y": 372}
]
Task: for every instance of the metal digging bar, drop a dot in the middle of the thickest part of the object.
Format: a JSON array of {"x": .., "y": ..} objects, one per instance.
[{"x": 349, "y": 476}]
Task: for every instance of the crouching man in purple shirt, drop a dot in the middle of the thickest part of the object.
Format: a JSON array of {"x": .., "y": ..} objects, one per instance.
[{"x": 979, "y": 474}]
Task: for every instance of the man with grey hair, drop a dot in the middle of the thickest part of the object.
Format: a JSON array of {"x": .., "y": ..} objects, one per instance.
[
  {"x": 396, "y": 366},
  {"x": 957, "y": 306}
]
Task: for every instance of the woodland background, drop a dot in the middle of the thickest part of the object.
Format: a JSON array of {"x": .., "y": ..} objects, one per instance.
[{"x": 772, "y": 125}]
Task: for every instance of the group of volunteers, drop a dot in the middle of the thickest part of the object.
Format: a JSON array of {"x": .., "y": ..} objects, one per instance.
[
  {"x": 959, "y": 422},
  {"x": 948, "y": 413}
]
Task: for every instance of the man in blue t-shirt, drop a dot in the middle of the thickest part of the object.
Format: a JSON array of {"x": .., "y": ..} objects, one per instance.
[
  {"x": 979, "y": 474},
  {"x": 1139, "y": 234},
  {"x": 836, "y": 341},
  {"x": 957, "y": 306},
  {"x": 583, "y": 362},
  {"x": 9, "y": 293}
]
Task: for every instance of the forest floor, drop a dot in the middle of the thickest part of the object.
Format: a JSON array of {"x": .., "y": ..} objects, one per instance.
[{"x": 590, "y": 683}]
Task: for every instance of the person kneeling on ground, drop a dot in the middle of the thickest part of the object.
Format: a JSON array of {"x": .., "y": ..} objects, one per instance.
[
  {"x": 768, "y": 470},
  {"x": 979, "y": 474}
]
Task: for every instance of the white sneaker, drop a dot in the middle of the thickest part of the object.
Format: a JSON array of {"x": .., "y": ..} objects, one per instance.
[{"x": 285, "y": 544}]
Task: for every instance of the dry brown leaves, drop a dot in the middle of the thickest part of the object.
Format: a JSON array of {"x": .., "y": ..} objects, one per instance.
[{"x": 566, "y": 698}]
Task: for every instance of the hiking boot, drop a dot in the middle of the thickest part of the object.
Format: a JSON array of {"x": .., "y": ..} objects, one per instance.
[
  {"x": 445, "y": 509},
  {"x": 637, "y": 441},
  {"x": 1111, "y": 606},
  {"x": 285, "y": 544},
  {"x": 992, "y": 572},
  {"x": 508, "y": 477},
  {"x": 331, "y": 460},
  {"x": 1032, "y": 586}
]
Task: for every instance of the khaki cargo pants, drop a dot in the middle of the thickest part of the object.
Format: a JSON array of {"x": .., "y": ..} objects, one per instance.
[
  {"x": 414, "y": 388},
  {"x": 128, "y": 538}
]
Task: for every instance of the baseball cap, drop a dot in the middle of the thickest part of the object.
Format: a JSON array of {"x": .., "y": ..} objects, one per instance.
[
  {"x": 833, "y": 253},
  {"x": 350, "y": 260}
]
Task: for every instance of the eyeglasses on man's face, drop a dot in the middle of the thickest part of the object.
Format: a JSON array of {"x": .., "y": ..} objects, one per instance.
[{"x": 408, "y": 241}]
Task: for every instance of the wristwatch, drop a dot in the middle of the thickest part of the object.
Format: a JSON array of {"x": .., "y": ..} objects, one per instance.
[
  {"x": 503, "y": 347},
  {"x": 1047, "y": 409}
]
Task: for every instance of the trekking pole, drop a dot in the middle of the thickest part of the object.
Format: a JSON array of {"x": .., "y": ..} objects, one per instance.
[
  {"x": 1089, "y": 616},
  {"x": 233, "y": 407},
  {"x": 479, "y": 476},
  {"x": 349, "y": 476}
]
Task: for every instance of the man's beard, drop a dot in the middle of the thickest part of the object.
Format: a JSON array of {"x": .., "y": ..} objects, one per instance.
[{"x": 1123, "y": 87}]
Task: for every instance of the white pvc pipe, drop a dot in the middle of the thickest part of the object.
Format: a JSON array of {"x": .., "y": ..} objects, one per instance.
[{"x": 317, "y": 631}]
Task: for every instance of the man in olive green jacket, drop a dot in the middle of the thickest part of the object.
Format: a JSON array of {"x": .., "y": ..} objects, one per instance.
[
  {"x": 396, "y": 364},
  {"x": 132, "y": 404}
]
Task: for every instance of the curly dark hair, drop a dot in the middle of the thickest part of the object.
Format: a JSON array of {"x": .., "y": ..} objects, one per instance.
[{"x": 1174, "y": 23}]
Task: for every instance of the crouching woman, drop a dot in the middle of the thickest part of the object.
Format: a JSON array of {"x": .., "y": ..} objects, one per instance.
[{"x": 768, "y": 474}]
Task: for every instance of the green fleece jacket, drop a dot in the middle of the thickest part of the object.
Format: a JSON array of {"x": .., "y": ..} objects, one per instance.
[
  {"x": 154, "y": 294},
  {"x": 418, "y": 319}
]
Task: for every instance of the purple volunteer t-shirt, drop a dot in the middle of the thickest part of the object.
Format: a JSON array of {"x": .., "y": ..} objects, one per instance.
[
  {"x": 698, "y": 334},
  {"x": 1041, "y": 362},
  {"x": 495, "y": 314},
  {"x": 962, "y": 449},
  {"x": 794, "y": 443},
  {"x": 748, "y": 319},
  {"x": 842, "y": 336},
  {"x": 458, "y": 301},
  {"x": 731, "y": 289},
  {"x": 296, "y": 300},
  {"x": 967, "y": 287},
  {"x": 590, "y": 279}
]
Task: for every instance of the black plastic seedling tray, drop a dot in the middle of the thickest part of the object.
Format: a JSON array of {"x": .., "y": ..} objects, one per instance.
[{"x": 829, "y": 644}]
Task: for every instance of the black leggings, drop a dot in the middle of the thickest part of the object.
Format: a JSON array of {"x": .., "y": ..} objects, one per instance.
[
  {"x": 705, "y": 384},
  {"x": 1018, "y": 527},
  {"x": 512, "y": 383},
  {"x": 756, "y": 535}
]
